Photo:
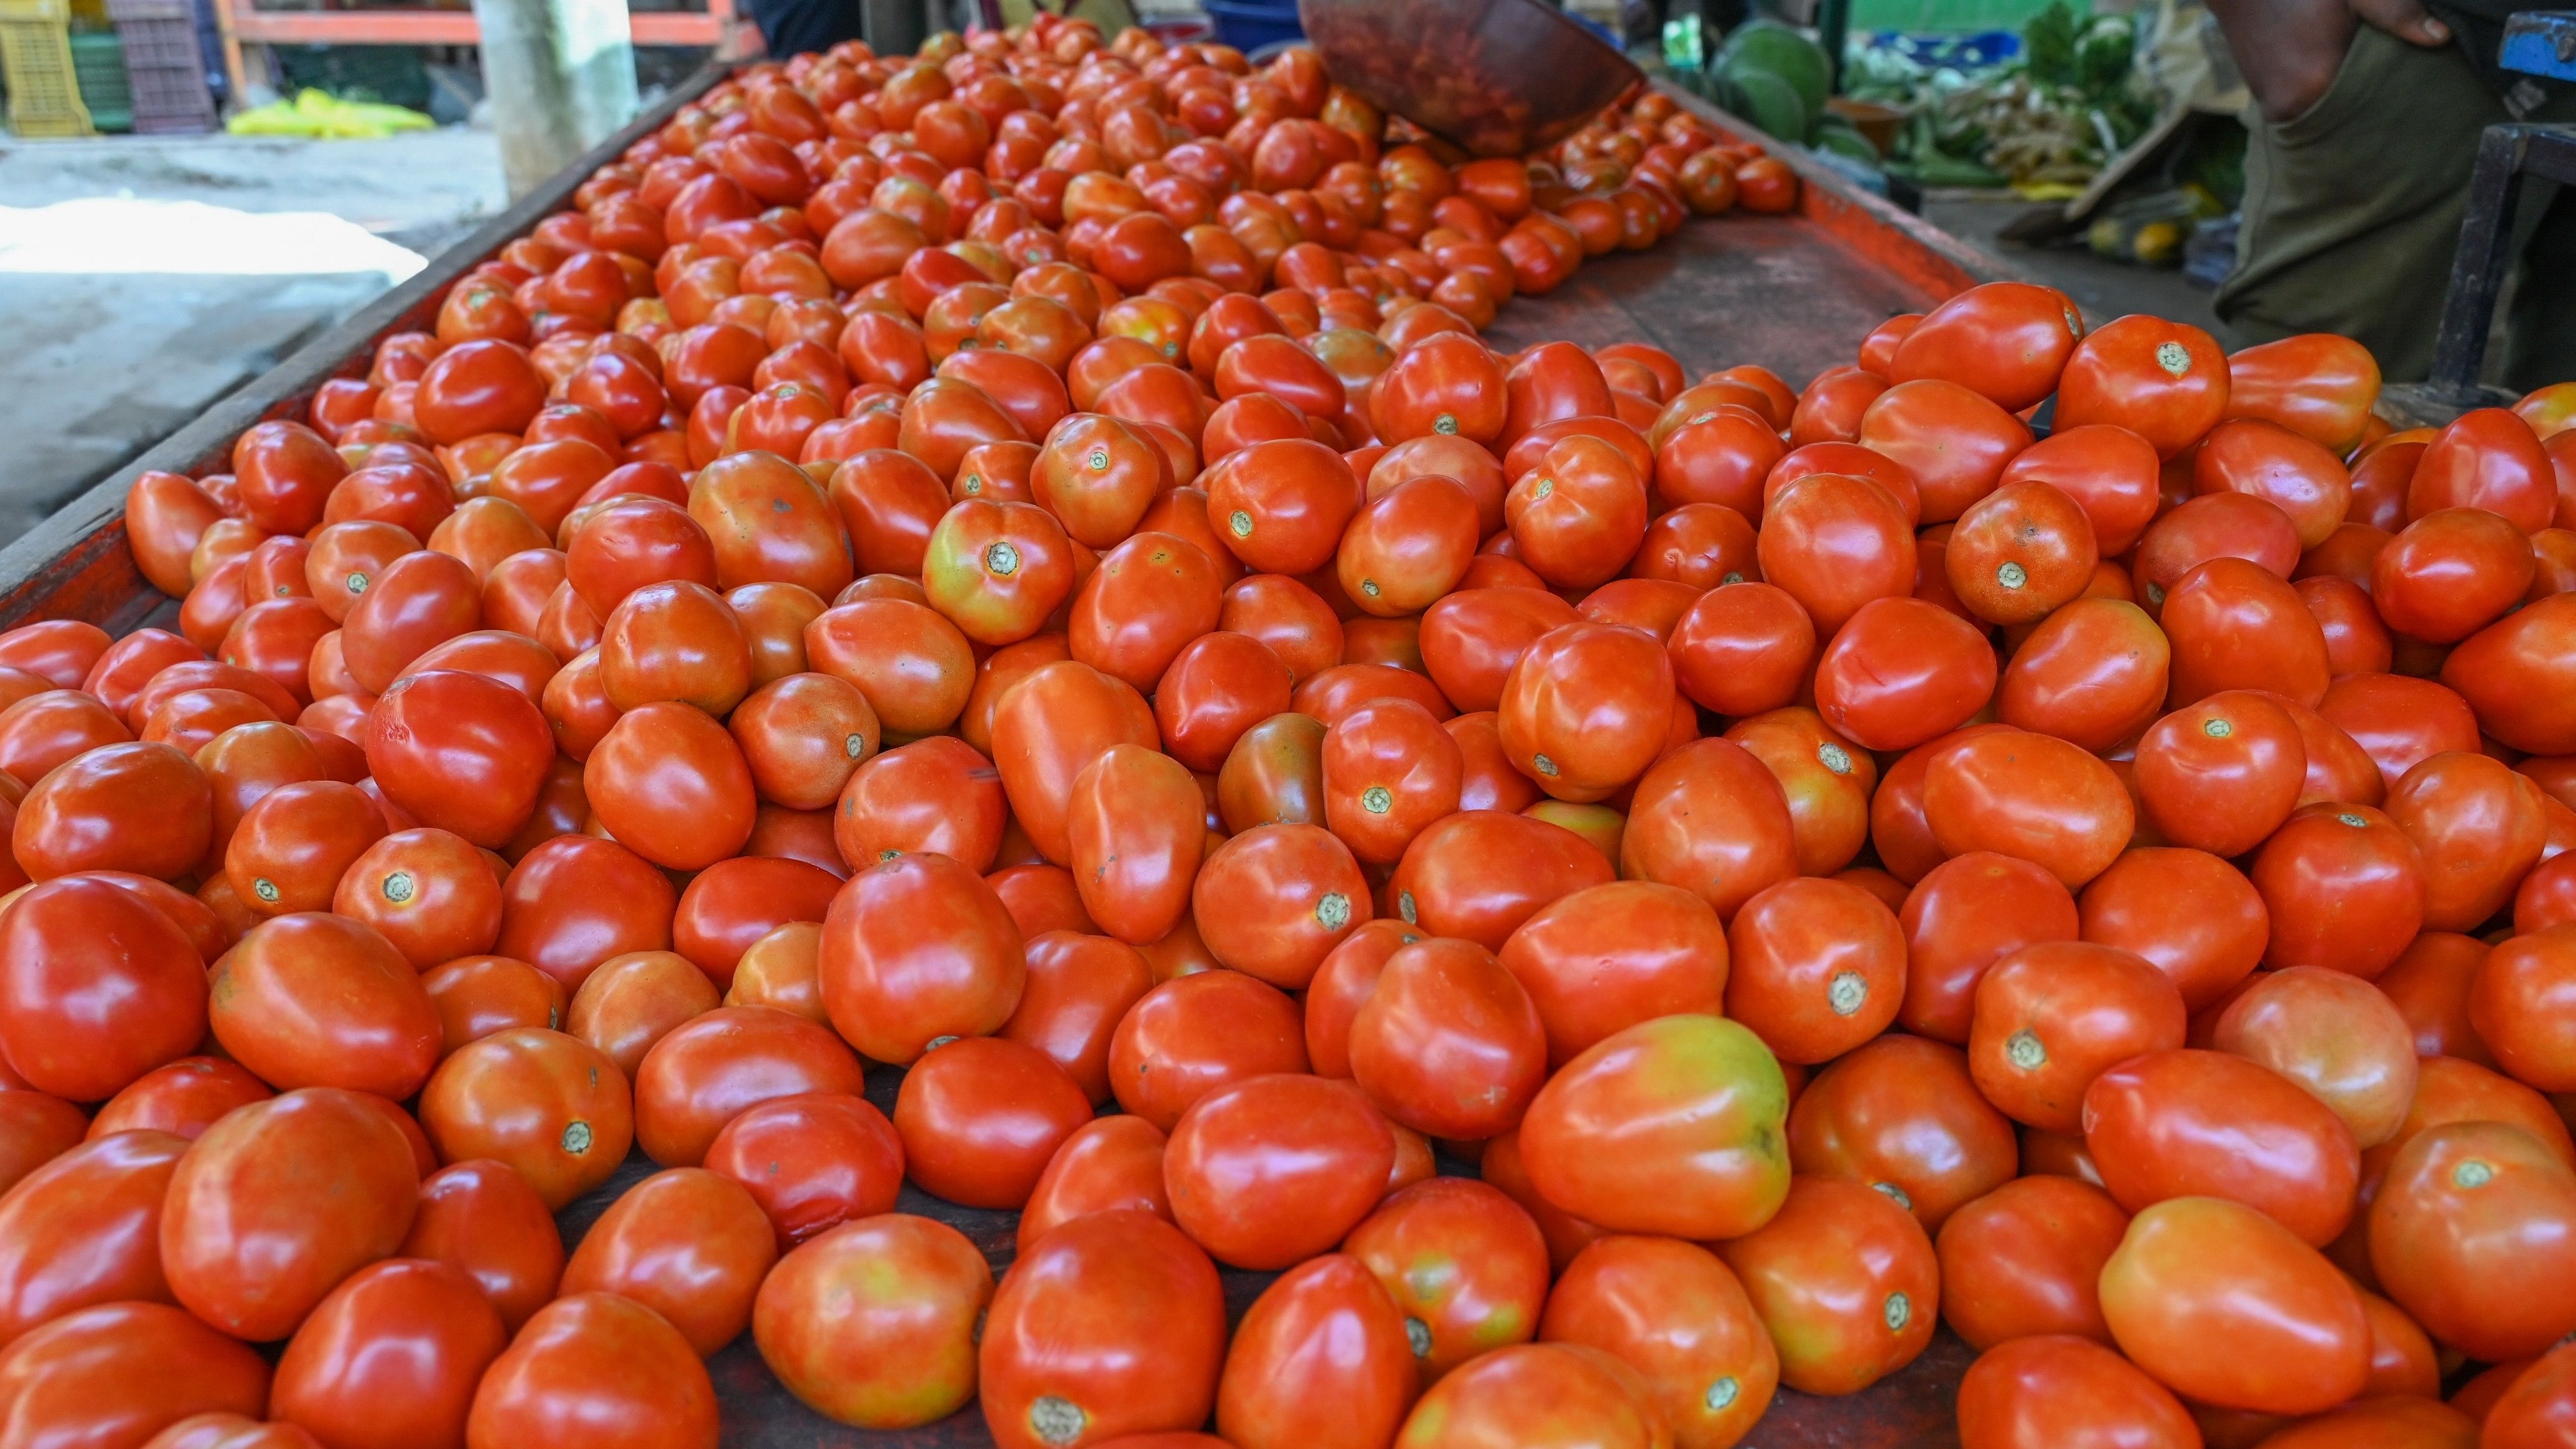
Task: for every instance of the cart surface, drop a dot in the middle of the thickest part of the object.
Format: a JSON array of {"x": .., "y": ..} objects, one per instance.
[{"x": 1795, "y": 293}]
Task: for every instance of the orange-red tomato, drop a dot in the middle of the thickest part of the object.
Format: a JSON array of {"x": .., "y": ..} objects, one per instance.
[{"x": 2229, "y": 1308}]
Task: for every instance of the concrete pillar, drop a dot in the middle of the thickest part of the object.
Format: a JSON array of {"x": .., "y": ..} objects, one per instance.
[{"x": 561, "y": 78}]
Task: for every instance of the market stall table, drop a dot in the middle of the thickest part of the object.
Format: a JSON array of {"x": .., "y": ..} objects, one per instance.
[{"x": 1785, "y": 291}]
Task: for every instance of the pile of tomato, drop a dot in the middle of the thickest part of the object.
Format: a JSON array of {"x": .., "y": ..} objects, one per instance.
[{"x": 1624, "y": 892}]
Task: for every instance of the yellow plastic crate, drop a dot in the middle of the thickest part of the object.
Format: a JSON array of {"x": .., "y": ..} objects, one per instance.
[{"x": 44, "y": 91}]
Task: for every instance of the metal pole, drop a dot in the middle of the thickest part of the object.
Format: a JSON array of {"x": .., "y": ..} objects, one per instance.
[{"x": 561, "y": 76}]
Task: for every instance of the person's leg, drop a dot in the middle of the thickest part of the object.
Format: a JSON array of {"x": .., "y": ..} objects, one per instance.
[
  {"x": 2352, "y": 208},
  {"x": 791, "y": 27}
]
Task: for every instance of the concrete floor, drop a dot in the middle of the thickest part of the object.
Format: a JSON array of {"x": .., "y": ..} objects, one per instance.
[{"x": 144, "y": 278}]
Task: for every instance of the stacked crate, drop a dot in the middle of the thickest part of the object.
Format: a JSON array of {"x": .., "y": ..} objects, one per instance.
[
  {"x": 36, "y": 50},
  {"x": 98, "y": 62},
  {"x": 163, "y": 66}
]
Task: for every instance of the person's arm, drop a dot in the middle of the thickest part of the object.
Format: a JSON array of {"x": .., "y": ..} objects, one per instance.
[{"x": 2288, "y": 50}]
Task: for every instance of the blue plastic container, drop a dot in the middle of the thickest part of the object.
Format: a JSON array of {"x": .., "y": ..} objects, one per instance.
[{"x": 1248, "y": 25}]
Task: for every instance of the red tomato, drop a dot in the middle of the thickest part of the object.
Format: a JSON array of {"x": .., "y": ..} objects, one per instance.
[
  {"x": 1844, "y": 1280},
  {"x": 484, "y": 1218},
  {"x": 2205, "y": 1124},
  {"x": 2465, "y": 1235},
  {"x": 891, "y": 990},
  {"x": 689, "y": 1244},
  {"x": 595, "y": 1368},
  {"x": 121, "y": 1372},
  {"x": 1322, "y": 1359},
  {"x": 2025, "y": 1260},
  {"x": 1902, "y": 1116},
  {"x": 2053, "y": 1389},
  {"x": 390, "y": 1358},
  {"x": 1272, "y": 1170},
  {"x": 2229, "y": 1308},
  {"x": 1448, "y": 1043},
  {"x": 1111, "y": 1324},
  {"x": 246, "y": 1241},
  {"x": 1673, "y": 1126},
  {"x": 874, "y": 1323}
]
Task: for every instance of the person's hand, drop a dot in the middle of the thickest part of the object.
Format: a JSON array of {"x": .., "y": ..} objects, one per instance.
[{"x": 2405, "y": 19}]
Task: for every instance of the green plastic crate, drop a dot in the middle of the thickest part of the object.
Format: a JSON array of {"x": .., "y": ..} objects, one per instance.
[
  {"x": 98, "y": 62},
  {"x": 35, "y": 50}
]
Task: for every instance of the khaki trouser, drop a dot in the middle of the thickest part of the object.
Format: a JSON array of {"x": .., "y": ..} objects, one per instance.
[{"x": 2352, "y": 211}]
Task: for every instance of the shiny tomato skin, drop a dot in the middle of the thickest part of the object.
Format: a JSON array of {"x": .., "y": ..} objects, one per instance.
[
  {"x": 391, "y": 1358},
  {"x": 429, "y": 892},
  {"x": 1743, "y": 648},
  {"x": 1322, "y": 1359},
  {"x": 2222, "y": 772},
  {"x": 2517, "y": 1004},
  {"x": 2343, "y": 888},
  {"x": 2537, "y": 1408},
  {"x": 460, "y": 752},
  {"x": 2478, "y": 828},
  {"x": 1964, "y": 915},
  {"x": 1903, "y": 671},
  {"x": 575, "y": 901},
  {"x": 2054, "y": 1391},
  {"x": 318, "y": 1000},
  {"x": 1901, "y": 1115},
  {"x": 2237, "y": 625},
  {"x": 2229, "y": 1308},
  {"x": 2333, "y": 1034},
  {"x": 1586, "y": 709},
  {"x": 85, "y": 1230},
  {"x": 891, "y": 990},
  {"x": 669, "y": 783},
  {"x": 2030, "y": 796},
  {"x": 1465, "y": 1265},
  {"x": 2194, "y": 916},
  {"x": 1112, "y": 1324},
  {"x": 142, "y": 807},
  {"x": 2024, "y": 1260},
  {"x": 2198, "y": 1123},
  {"x": 121, "y": 1372},
  {"x": 552, "y": 1107},
  {"x": 1275, "y": 899},
  {"x": 2467, "y": 1235},
  {"x": 2052, "y": 1016},
  {"x": 98, "y": 989},
  {"x": 860, "y": 1354},
  {"x": 710, "y": 1069},
  {"x": 1817, "y": 967},
  {"x": 1136, "y": 832},
  {"x": 598, "y": 1370},
  {"x": 1112, "y": 1161},
  {"x": 1674, "y": 1126},
  {"x": 811, "y": 1161},
  {"x": 1048, "y": 728},
  {"x": 1677, "y": 1315},
  {"x": 248, "y": 1242},
  {"x": 185, "y": 1098},
  {"x": 1193, "y": 1034},
  {"x": 980, "y": 1122},
  {"x": 484, "y": 1218},
  {"x": 1448, "y": 1043},
  {"x": 687, "y": 1243},
  {"x": 1272, "y": 1170},
  {"x": 2165, "y": 381},
  {"x": 1610, "y": 956},
  {"x": 1552, "y": 1394},
  {"x": 1844, "y": 1280}
]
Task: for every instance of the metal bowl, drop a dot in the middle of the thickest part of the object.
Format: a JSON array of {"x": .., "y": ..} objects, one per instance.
[{"x": 1499, "y": 77}]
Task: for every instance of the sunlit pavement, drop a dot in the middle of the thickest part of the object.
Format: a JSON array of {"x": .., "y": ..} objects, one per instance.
[{"x": 141, "y": 279}]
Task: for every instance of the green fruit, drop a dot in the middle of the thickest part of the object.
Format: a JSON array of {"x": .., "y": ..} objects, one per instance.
[
  {"x": 1768, "y": 45},
  {"x": 1842, "y": 138},
  {"x": 1773, "y": 104}
]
